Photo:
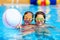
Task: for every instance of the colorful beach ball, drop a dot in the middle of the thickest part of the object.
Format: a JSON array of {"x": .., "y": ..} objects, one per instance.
[{"x": 12, "y": 18}]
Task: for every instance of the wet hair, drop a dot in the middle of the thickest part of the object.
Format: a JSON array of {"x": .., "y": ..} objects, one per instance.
[
  {"x": 27, "y": 13},
  {"x": 39, "y": 12}
]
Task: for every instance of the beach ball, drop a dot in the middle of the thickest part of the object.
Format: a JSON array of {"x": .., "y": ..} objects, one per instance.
[{"x": 12, "y": 18}]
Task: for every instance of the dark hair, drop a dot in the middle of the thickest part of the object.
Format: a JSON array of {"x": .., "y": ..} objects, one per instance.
[
  {"x": 27, "y": 13},
  {"x": 39, "y": 12}
]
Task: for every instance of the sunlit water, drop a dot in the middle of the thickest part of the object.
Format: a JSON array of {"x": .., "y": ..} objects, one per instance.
[{"x": 52, "y": 18}]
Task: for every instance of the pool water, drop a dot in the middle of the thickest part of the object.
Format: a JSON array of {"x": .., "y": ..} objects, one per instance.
[{"x": 52, "y": 17}]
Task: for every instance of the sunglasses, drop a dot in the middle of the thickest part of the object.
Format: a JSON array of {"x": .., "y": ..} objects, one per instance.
[{"x": 39, "y": 19}]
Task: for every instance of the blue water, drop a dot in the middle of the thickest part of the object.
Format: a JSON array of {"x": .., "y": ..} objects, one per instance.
[{"x": 12, "y": 34}]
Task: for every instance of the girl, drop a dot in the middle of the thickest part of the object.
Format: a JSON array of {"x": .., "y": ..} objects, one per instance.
[
  {"x": 27, "y": 31},
  {"x": 41, "y": 29}
]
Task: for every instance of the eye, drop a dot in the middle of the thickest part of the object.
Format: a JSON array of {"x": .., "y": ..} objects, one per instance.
[
  {"x": 30, "y": 19},
  {"x": 25, "y": 17}
]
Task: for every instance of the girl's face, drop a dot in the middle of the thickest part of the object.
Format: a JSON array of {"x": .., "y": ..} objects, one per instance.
[
  {"x": 28, "y": 18},
  {"x": 39, "y": 19}
]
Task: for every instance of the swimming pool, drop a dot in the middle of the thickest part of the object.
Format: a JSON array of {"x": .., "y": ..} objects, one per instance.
[{"x": 52, "y": 17}]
